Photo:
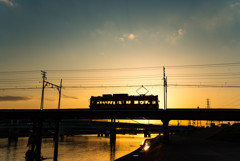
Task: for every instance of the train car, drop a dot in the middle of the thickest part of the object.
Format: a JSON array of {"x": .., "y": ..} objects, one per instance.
[{"x": 124, "y": 101}]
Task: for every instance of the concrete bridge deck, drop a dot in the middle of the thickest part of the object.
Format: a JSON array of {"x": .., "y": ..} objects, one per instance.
[{"x": 169, "y": 114}]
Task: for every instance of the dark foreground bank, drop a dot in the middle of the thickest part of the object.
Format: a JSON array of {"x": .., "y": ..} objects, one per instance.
[{"x": 217, "y": 144}]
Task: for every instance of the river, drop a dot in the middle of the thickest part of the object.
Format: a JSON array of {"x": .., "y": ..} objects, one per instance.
[{"x": 74, "y": 148}]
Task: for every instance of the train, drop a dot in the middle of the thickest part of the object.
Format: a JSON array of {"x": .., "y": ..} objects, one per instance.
[{"x": 124, "y": 101}]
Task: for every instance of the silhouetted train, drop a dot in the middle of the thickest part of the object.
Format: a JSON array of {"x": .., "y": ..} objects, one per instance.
[{"x": 124, "y": 101}]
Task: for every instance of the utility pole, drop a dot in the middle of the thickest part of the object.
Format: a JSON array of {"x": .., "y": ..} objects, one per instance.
[
  {"x": 200, "y": 120},
  {"x": 208, "y": 103},
  {"x": 59, "y": 88},
  {"x": 45, "y": 84},
  {"x": 43, "y": 87},
  {"x": 208, "y": 107},
  {"x": 165, "y": 88}
]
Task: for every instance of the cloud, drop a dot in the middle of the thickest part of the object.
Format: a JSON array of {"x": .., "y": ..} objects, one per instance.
[
  {"x": 131, "y": 36},
  {"x": 180, "y": 32},
  {"x": 14, "y": 98},
  {"x": 125, "y": 37},
  {"x": 8, "y": 3},
  {"x": 176, "y": 36},
  {"x": 71, "y": 97},
  {"x": 234, "y": 4},
  {"x": 122, "y": 39}
]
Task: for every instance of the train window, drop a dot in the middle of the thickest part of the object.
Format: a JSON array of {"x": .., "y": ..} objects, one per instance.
[
  {"x": 119, "y": 102},
  {"x": 93, "y": 102},
  {"x": 97, "y": 102},
  {"x": 128, "y": 102},
  {"x": 147, "y": 102},
  {"x": 135, "y": 101},
  {"x": 141, "y": 102},
  {"x": 109, "y": 102},
  {"x": 153, "y": 102}
]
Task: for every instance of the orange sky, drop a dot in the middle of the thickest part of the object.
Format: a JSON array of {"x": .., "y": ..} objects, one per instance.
[{"x": 79, "y": 86}]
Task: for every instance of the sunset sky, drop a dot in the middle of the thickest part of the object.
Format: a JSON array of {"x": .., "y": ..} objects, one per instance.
[{"x": 123, "y": 43}]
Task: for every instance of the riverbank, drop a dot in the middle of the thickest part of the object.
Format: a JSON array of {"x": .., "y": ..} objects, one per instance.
[{"x": 203, "y": 144}]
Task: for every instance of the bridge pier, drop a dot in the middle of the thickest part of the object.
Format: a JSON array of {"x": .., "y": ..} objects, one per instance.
[
  {"x": 113, "y": 129},
  {"x": 107, "y": 133},
  {"x": 112, "y": 139},
  {"x": 35, "y": 142},
  {"x": 113, "y": 133},
  {"x": 13, "y": 132},
  {"x": 39, "y": 140},
  {"x": 61, "y": 130},
  {"x": 112, "y": 145},
  {"x": 147, "y": 133},
  {"x": 56, "y": 139},
  {"x": 165, "y": 130},
  {"x": 101, "y": 133}
]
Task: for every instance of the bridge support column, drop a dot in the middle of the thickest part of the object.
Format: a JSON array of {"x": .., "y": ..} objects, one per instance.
[
  {"x": 147, "y": 133},
  {"x": 113, "y": 139},
  {"x": 39, "y": 140},
  {"x": 56, "y": 139},
  {"x": 13, "y": 133},
  {"x": 112, "y": 145},
  {"x": 113, "y": 129},
  {"x": 62, "y": 132},
  {"x": 101, "y": 133},
  {"x": 165, "y": 130},
  {"x": 33, "y": 138},
  {"x": 107, "y": 133}
]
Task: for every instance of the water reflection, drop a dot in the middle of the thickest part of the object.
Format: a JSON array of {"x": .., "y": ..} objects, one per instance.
[
  {"x": 11, "y": 147},
  {"x": 112, "y": 147},
  {"x": 84, "y": 148}
]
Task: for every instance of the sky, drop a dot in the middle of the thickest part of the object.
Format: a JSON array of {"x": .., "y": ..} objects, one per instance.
[{"x": 72, "y": 40}]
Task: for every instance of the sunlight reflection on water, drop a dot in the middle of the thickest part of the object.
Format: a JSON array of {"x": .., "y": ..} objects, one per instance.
[{"x": 84, "y": 148}]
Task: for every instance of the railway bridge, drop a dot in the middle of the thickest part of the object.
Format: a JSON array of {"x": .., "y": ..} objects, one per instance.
[{"x": 38, "y": 116}]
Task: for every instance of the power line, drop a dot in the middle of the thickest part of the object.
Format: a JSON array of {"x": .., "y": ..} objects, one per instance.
[
  {"x": 205, "y": 86},
  {"x": 205, "y": 74},
  {"x": 124, "y": 69},
  {"x": 192, "y": 76},
  {"x": 20, "y": 72},
  {"x": 204, "y": 65},
  {"x": 20, "y": 88},
  {"x": 114, "y": 86},
  {"x": 128, "y": 86}
]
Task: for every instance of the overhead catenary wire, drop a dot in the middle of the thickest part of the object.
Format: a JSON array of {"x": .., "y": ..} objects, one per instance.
[
  {"x": 133, "y": 68},
  {"x": 189, "y": 76},
  {"x": 219, "y": 79},
  {"x": 204, "y": 65},
  {"x": 124, "y": 86}
]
